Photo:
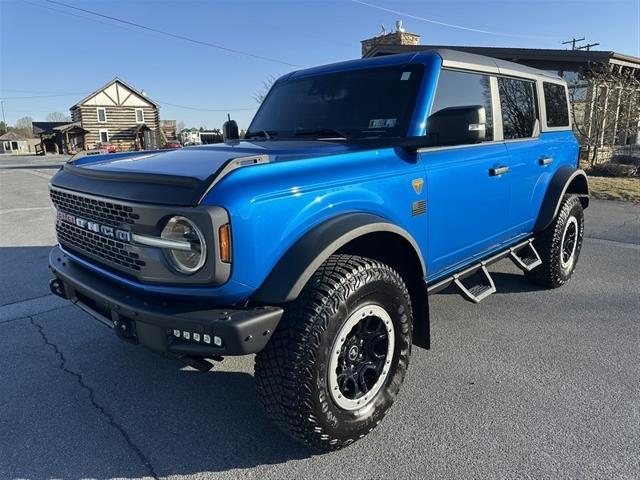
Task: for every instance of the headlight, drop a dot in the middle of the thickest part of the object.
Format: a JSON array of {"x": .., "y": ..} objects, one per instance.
[{"x": 184, "y": 230}]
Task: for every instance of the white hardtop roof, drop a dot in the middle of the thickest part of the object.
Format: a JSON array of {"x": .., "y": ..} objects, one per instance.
[{"x": 471, "y": 61}]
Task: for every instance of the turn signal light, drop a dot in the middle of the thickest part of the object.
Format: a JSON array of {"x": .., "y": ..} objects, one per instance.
[{"x": 224, "y": 240}]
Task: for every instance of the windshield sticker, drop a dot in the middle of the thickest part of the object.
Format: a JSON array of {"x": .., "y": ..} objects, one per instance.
[
  {"x": 405, "y": 76},
  {"x": 382, "y": 123}
]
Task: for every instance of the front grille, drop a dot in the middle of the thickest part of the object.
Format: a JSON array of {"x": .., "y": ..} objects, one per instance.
[
  {"x": 101, "y": 211},
  {"x": 111, "y": 251}
]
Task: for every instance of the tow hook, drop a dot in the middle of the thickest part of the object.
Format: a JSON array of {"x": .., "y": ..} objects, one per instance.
[
  {"x": 57, "y": 288},
  {"x": 125, "y": 329},
  {"x": 199, "y": 363}
]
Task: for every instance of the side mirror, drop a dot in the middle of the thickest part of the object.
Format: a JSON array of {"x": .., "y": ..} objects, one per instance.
[
  {"x": 457, "y": 126},
  {"x": 230, "y": 131}
]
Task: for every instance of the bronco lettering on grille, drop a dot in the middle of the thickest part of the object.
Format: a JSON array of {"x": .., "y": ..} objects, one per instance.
[{"x": 105, "y": 230}]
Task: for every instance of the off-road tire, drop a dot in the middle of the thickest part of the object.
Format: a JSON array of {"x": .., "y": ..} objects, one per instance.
[
  {"x": 292, "y": 371},
  {"x": 551, "y": 273}
]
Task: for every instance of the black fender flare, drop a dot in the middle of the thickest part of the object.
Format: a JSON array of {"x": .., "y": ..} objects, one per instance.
[
  {"x": 565, "y": 180},
  {"x": 298, "y": 264}
]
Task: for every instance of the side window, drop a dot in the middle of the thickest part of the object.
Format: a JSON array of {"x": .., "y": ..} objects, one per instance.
[
  {"x": 461, "y": 89},
  {"x": 102, "y": 115},
  {"x": 139, "y": 115},
  {"x": 555, "y": 103},
  {"x": 518, "y": 107}
]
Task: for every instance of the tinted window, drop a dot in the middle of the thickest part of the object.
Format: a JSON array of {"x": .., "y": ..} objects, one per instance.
[
  {"x": 518, "y": 107},
  {"x": 459, "y": 89},
  {"x": 555, "y": 102},
  {"x": 359, "y": 103}
]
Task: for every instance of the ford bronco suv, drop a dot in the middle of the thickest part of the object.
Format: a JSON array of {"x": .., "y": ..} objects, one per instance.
[{"x": 359, "y": 189}]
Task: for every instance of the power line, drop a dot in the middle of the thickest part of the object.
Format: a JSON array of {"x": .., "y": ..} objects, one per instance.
[
  {"x": 44, "y": 96},
  {"x": 175, "y": 35},
  {"x": 84, "y": 17},
  {"x": 450, "y": 25},
  {"x": 177, "y": 105},
  {"x": 207, "y": 109}
]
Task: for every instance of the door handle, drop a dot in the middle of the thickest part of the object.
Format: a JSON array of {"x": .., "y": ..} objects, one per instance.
[
  {"x": 545, "y": 161},
  {"x": 494, "y": 172}
]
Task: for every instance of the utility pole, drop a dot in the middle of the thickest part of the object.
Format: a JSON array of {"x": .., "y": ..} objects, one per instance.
[
  {"x": 588, "y": 46},
  {"x": 3, "y": 119},
  {"x": 573, "y": 42}
]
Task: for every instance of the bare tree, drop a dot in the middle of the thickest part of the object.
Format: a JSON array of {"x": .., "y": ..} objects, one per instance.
[
  {"x": 57, "y": 117},
  {"x": 266, "y": 86},
  {"x": 605, "y": 107},
  {"x": 179, "y": 127},
  {"x": 24, "y": 126}
]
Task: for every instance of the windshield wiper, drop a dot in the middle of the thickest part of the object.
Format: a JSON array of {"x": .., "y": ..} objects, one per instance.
[
  {"x": 261, "y": 133},
  {"x": 331, "y": 132}
]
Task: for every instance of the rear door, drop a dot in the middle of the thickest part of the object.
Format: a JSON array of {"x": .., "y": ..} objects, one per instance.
[
  {"x": 467, "y": 196},
  {"x": 528, "y": 152}
]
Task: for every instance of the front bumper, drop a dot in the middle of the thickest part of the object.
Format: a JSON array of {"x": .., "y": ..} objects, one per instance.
[{"x": 151, "y": 321}]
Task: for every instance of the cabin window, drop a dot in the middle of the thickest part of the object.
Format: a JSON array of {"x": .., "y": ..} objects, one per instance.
[
  {"x": 104, "y": 135},
  {"x": 102, "y": 115},
  {"x": 139, "y": 115},
  {"x": 519, "y": 108},
  {"x": 555, "y": 103}
]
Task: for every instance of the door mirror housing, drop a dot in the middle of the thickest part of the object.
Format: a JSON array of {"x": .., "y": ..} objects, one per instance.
[{"x": 457, "y": 126}]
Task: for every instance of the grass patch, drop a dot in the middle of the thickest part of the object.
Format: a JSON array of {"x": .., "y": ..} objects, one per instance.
[{"x": 611, "y": 188}]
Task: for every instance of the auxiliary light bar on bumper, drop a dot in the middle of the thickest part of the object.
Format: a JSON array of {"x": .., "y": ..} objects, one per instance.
[{"x": 173, "y": 327}]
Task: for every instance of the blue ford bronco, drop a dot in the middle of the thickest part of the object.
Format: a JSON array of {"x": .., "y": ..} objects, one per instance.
[{"x": 359, "y": 189}]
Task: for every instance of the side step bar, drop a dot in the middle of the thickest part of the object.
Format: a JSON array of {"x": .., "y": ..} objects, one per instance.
[
  {"x": 526, "y": 258},
  {"x": 479, "y": 284},
  {"x": 482, "y": 288}
]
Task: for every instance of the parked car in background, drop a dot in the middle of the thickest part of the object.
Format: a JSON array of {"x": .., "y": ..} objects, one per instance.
[
  {"x": 172, "y": 144},
  {"x": 359, "y": 189},
  {"x": 88, "y": 153},
  {"x": 107, "y": 146}
]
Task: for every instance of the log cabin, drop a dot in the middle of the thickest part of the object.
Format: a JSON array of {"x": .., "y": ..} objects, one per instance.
[{"x": 118, "y": 114}]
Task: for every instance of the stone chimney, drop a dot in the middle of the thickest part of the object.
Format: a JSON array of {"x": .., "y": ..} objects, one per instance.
[{"x": 397, "y": 37}]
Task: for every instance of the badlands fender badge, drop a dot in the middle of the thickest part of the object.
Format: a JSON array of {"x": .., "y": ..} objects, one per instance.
[{"x": 417, "y": 184}]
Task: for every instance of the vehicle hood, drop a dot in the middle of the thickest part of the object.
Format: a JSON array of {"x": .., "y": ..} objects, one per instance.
[
  {"x": 174, "y": 177},
  {"x": 203, "y": 161}
]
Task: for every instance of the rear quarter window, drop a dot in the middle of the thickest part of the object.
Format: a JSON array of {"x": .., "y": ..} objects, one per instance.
[
  {"x": 519, "y": 107},
  {"x": 555, "y": 103}
]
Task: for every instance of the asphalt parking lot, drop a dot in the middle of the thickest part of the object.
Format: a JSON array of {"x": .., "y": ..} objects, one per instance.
[{"x": 527, "y": 384}]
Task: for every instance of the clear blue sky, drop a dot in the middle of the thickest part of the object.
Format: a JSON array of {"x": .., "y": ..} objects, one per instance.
[{"x": 48, "y": 49}]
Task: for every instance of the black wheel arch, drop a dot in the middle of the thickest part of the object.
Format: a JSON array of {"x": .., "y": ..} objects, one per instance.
[
  {"x": 565, "y": 180},
  {"x": 362, "y": 234}
]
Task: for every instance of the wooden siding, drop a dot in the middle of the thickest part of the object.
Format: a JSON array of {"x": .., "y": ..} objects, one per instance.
[{"x": 121, "y": 124}]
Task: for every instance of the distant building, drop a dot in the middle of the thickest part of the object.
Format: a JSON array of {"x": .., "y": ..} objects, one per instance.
[
  {"x": 621, "y": 126},
  {"x": 11, "y": 142},
  {"x": 168, "y": 128},
  {"x": 211, "y": 136},
  {"x": 190, "y": 136},
  {"x": 118, "y": 114},
  {"x": 60, "y": 137}
]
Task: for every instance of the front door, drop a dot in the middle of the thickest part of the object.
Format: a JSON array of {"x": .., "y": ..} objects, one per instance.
[
  {"x": 467, "y": 204},
  {"x": 468, "y": 186}
]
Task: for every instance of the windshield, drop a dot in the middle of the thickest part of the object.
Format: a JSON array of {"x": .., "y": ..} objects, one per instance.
[{"x": 369, "y": 103}]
